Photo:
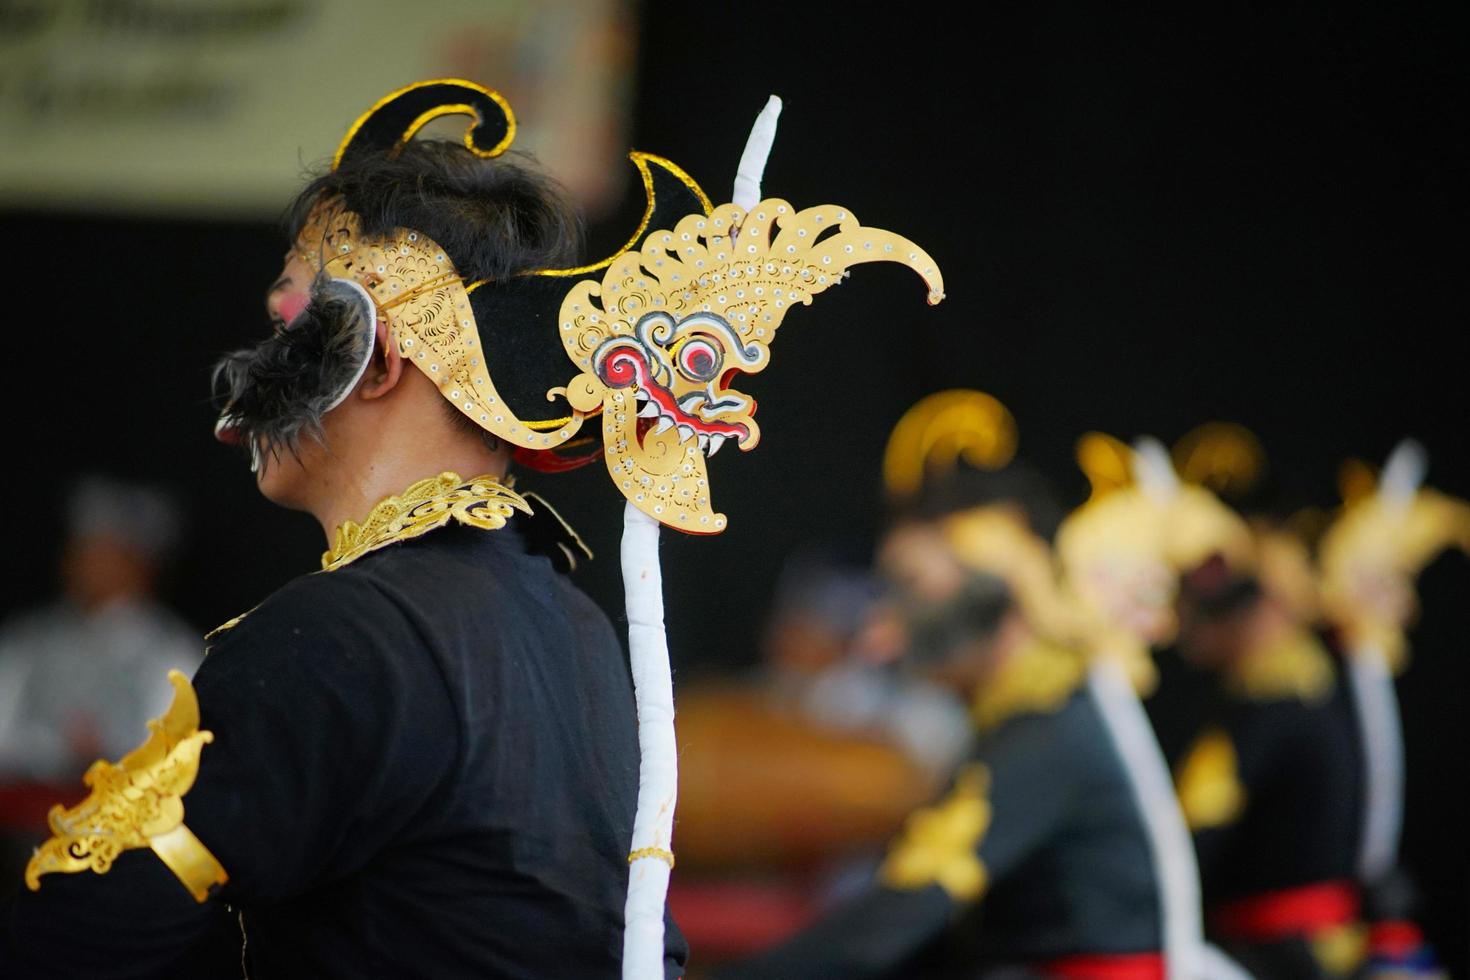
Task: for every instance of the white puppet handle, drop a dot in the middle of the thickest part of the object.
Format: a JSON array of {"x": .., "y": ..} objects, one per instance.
[
  {"x": 651, "y": 856},
  {"x": 1382, "y": 736}
]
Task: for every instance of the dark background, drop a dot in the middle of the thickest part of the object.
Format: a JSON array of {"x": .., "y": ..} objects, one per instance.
[{"x": 1145, "y": 221}]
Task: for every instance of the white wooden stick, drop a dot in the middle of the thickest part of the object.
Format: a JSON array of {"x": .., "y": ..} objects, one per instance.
[
  {"x": 651, "y": 854},
  {"x": 658, "y": 763},
  {"x": 1381, "y": 733}
]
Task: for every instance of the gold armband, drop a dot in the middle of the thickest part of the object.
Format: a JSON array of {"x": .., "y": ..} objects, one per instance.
[{"x": 138, "y": 802}]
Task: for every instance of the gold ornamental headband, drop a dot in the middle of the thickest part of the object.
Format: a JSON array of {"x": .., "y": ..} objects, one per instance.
[{"x": 655, "y": 333}]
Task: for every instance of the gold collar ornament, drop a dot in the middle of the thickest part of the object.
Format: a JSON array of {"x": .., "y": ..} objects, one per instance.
[
  {"x": 136, "y": 803},
  {"x": 482, "y": 502}
]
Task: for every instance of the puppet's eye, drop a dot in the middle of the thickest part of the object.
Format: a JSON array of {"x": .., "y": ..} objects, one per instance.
[{"x": 700, "y": 359}]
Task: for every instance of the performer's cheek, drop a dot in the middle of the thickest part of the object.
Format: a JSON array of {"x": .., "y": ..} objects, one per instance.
[{"x": 291, "y": 305}]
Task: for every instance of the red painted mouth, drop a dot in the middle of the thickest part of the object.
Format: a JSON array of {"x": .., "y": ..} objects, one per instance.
[{"x": 628, "y": 366}]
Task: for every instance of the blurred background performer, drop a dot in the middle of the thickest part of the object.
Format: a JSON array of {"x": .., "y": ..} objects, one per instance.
[
  {"x": 1036, "y": 857},
  {"x": 1370, "y": 557},
  {"x": 1265, "y": 771},
  {"x": 1113, "y": 554}
]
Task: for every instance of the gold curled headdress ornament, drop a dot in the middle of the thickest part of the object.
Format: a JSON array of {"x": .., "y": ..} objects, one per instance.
[
  {"x": 1371, "y": 554},
  {"x": 1224, "y": 457},
  {"x": 654, "y": 332},
  {"x": 940, "y": 430}
]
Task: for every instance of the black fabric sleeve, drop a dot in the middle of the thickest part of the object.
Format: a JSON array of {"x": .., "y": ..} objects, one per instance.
[
  {"x": 1032, "y": 788},
  {"x": 1029, "y": 788},
  {"x": 330, "y": 727}
]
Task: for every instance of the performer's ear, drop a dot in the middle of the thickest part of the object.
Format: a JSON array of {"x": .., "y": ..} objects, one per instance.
[{"x": 386, "y": 368}]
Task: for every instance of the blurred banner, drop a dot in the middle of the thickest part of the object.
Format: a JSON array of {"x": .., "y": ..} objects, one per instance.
[{"x": 218, "y": 107}]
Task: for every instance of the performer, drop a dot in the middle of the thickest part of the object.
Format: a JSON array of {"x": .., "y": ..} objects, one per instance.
[
  {"x": 1036, "y": 857},
  {"x": 1370, "y": 556},
  {"x": 422, "y": 761},
  {"x": 1268, "y": 781},
  {"x": 1114, "y": 554}
]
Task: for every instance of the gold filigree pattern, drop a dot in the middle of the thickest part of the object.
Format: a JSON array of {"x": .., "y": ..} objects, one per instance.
[
  {"x": 410, "y": 277},
  {"x": 428, "y": 504},
  {"x": 939, "y": 844},
  {"x": 136, "y": 803},
  {"x": 657, "y": 340},
  {"x": 1208, "y": 783}
]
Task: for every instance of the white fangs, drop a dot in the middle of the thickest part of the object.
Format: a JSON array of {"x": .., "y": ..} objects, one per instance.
[
  {"x": 703, "y": 442},
  {"x": 664, "y": 424},
  {"x": 686, "y": 432},
  {"x": 649, "y": 410},
  {"x": 715, "y": 442}
]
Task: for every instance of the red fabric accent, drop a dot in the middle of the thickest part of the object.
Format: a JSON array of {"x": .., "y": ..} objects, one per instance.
[
  {"x": 1394, "y": 940},
  {"x": 1107, "y": 966},
  {"x": 1290, "y": 912},
  {"x": 724, "y": 920},
  {"x": 549, "y": 461}
]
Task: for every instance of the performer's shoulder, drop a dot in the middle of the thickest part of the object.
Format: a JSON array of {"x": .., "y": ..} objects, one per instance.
[{"x": 321, "y": 616}]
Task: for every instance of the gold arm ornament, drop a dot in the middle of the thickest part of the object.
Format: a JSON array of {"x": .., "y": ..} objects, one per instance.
[{"x": 138, "y": 802}]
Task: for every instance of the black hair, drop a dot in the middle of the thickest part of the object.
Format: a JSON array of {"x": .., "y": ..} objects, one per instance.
[{"x": 494, "y": 218}]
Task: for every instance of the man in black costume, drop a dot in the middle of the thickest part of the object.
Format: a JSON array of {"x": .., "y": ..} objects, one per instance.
[{"x": 422, "y": 760}]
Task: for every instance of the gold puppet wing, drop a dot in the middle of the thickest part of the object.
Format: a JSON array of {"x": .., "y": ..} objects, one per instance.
[
  {"x": 655, "y": 332},
  {"x": 1372, "y": 553}
]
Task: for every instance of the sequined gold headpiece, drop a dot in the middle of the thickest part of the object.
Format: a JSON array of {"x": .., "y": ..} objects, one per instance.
[{"x": 654, "y": 332}]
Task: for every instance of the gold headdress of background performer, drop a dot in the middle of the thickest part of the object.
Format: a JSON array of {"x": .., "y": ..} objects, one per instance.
[
  {"x": 654, "y": 333},
  {"x": 930, "y": 444},
  {"x": 1371, "y": 554},
  {"x": 1122, "y": 551}
]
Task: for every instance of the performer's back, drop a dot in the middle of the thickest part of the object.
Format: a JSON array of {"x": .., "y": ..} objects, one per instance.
[{"x": 424, "y": 764}]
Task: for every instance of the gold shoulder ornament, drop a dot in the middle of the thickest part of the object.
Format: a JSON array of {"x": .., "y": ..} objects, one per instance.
[
  {"x": 138, "y": 802},
  {"x": 1208, "y": 782},
  {"x": 938, "y": 845}
]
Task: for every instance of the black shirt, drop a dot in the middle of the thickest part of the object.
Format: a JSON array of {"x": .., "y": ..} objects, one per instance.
[{"x": 424, "y": 764}]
